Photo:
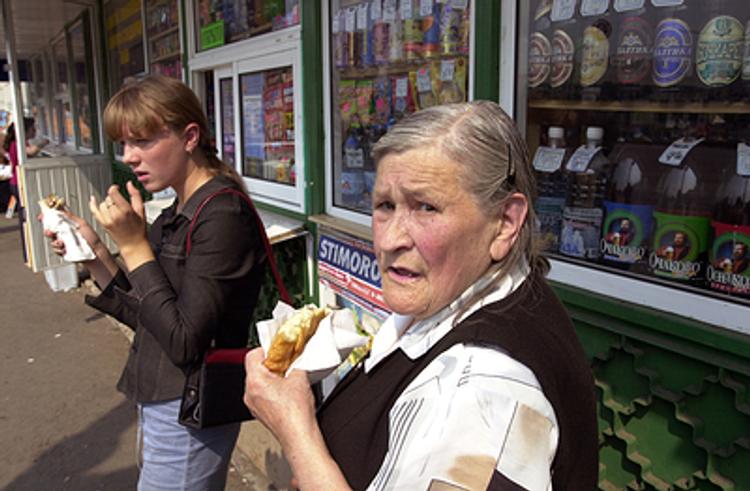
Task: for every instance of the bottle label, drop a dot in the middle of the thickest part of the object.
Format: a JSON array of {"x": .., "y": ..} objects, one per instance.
[
  {"x": 549, "y": 212},
  {"x": 743, "y": 159},
  {"x": 746, "y": 54},
  {"x": 718, "y": 56},
  {"x": 594, "y": 7},
  {"x": 729, "y": 262},
  {"x": 548, "y": 159},
  {"x": 633, "y": 52},
  {"x": 627, "y": 5},
  {"x": 581, "y": 229},
  {"x": 678, "y": 150},
  {"x": 667, "y": 3},
  {"x": 581, "y": 158},
  {"x": 562, "y": 59},
  {"x": 679, "y": 246},
  {"x": 595, "y": 56},
  {"x": 673, "y": 52},
  {"x": 354, "y": 158},
  {"x": 539, "y": 59},
  {"x": 626, "y": 232},
  {"x": 563, "y": 9}
]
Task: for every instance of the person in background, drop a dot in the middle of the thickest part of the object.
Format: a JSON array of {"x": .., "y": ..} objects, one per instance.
[
  {"x": 179, "y": 304},
  {"x": 11, "y": 151},
  {"x": 477, "y": 380}
]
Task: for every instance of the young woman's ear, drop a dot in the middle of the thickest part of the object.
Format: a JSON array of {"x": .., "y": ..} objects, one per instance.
[
  {"x": 192, "y": 137},
  {"x": 509, "y": 225}
]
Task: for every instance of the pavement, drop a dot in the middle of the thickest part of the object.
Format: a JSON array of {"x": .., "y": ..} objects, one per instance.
[{"x": 63, "y": 426}]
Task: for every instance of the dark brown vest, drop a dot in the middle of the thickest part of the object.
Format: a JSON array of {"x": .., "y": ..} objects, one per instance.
[{"x": 531, "y": 326}]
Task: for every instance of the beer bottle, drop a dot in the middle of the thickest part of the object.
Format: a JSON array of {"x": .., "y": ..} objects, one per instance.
[
  {"x": 672, "y": 67},
  {"x": 729, "y": 256},
  {"x": 629, "y": 203},
  {"x": 682, "y": 214},
  {"x": 632, "y": 57},
  {"x": 719, "y": 50},
  {"x": 587, "y": 170},
  {"x": 540, "y": 50},
  {"x": 551, "y": 187},
  {"x": 594, "y": 60}
]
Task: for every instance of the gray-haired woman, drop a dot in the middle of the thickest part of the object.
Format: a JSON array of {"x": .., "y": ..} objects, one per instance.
[{"x": 477, "y": 380}]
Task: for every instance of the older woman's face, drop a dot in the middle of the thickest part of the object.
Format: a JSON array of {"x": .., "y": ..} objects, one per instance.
[{"x": 431, "y": 239}]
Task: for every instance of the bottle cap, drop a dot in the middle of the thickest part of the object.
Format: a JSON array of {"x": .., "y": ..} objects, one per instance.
[
  {"x": 555, "y": 132},
  {"x": 594, "y": 133}
]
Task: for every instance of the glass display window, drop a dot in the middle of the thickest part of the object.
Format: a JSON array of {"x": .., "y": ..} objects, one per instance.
[
  {"x": 163, "y": 37},
  {"x": 60, "y": 65},
  {"x": 82, "y": 85},
  {"x": 228, "y": 148},
  {"x": 637, "y": 115},
  {"x": 388, "y": 58},
  {"x": 227, "y": 21},
  {"x": 124, "y": 39}
]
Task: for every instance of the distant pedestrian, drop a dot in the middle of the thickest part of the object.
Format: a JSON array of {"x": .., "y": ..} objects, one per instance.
[{"x": 179, "y": 304}]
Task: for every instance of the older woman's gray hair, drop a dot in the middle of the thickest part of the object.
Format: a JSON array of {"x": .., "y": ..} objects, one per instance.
[{"x": 481, "y": 138}]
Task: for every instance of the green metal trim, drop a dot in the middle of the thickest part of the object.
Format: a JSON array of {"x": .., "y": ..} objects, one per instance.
[
  {"x": 315, "y": 294},
  {"x": 184, "y": 33},
  {"x": 718, "y": 345},
  {"x": 313, "y": 139},
  {"x": 487, "y": 49},
  {"x": 281, "y": 211}
]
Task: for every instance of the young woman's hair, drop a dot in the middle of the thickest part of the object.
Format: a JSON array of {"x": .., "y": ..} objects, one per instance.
[
  {"x": 481, "y": 138},
  {"x": 10, "y": 132},
  {"x": 146, "y": 106}
]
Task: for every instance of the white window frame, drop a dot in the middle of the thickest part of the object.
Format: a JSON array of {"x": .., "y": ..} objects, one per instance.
[{"x": 273, "y": 50}]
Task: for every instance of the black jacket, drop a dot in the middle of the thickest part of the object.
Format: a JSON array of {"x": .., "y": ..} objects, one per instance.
[{"x": 179, "y": 306}]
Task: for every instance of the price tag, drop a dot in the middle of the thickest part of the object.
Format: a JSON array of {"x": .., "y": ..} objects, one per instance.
[
  {"x": 548, "y": 159},
  {"x": 424, "y": 84},
  {"x": 350, "y": 20},
  {"x": 581, "y": 158},
  {"x": 460, "y": 4},
  {"x": 362, "y": 17},
  {"x": 335, "y": 23},
  {"x": 425, "y": 8},
  {"x": 627, "y": 5},
  {"x": 743, "y": 159},
  {"x": 562, "y": 10},
  {"x": 402, "y": 87},
  {"x": 406, "y": 9},
  {"x": 389, "y": 10},
  {"x": 667, "y": 3},
  {"x": 447, "y": 70},
  {"x": 594, "y": 7},
  {"x": 376, "y": 10},
  {"x": 677, "y": 151}
]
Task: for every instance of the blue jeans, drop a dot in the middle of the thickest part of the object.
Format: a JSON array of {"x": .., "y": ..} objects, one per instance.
[{"x": 179, "y": 458}]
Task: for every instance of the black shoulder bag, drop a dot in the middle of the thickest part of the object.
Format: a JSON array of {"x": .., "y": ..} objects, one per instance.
[{"x": 215, "y": 387}]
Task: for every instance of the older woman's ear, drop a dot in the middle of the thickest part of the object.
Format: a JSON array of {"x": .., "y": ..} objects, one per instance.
[{"x": 509, "y": 226}]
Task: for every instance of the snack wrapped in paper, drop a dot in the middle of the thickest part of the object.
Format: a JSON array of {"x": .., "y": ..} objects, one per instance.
[
  {"x": 54, "y": 220},
  {"x": 334, "y": 338}
]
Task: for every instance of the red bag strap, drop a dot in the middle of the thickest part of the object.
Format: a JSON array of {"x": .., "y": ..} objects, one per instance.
[{"x": 269, "y": 253}]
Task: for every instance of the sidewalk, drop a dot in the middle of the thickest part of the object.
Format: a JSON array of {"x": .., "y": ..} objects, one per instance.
[{"x": 63, "y": 426}]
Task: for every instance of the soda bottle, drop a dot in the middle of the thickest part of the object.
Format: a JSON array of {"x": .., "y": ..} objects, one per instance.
[
  {"x": 629, "y": 206},
  {"x": 729, "y": 256},
  {"x": 682, "y": 214},
  {"x": 551, "y": 187},
  {"x": 587, "y": 171}
]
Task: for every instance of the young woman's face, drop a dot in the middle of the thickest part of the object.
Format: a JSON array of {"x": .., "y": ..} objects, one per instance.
[
  {"x": 431, "y": 239},
  {"x": 158, "y": 161}
]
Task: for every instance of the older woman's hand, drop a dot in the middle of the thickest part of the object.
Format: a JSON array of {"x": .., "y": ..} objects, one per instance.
[{"x": 285, "y": 405}]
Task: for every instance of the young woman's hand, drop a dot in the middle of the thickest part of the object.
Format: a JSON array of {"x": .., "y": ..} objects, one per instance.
[{"x": 126, "y": 224}]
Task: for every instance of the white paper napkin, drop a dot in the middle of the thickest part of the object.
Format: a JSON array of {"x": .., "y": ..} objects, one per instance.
[
  {"x": 332, "y": 342},
  {"x": 76, "y": 247}
]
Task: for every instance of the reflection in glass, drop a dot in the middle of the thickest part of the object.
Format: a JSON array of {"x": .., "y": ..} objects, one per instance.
[{"x": 227, "y": 121}]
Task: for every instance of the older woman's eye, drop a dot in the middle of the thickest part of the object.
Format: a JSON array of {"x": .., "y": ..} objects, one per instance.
[
  {"x": 384, "y": 205},
  {"x": 427, "y": 207}
]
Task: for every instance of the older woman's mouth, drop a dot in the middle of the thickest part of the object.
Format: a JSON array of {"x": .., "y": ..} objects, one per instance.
[{"x": 401, "y": 274}]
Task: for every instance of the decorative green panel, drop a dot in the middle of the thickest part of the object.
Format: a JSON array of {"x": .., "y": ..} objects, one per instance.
[{"x": 673, "y": 397}]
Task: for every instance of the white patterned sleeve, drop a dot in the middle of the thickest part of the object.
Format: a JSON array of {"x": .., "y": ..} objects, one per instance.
[{"x": 473, "y": 411}]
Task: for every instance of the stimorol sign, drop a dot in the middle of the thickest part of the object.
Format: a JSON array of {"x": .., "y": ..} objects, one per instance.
[{"x": 348, "y": 266}]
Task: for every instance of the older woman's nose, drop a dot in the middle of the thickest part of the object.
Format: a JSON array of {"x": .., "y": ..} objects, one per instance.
[{"x": 394, "y": 232}]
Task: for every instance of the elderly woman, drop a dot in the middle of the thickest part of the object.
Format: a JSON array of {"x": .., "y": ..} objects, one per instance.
[{"x": 477, "y": 380}]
